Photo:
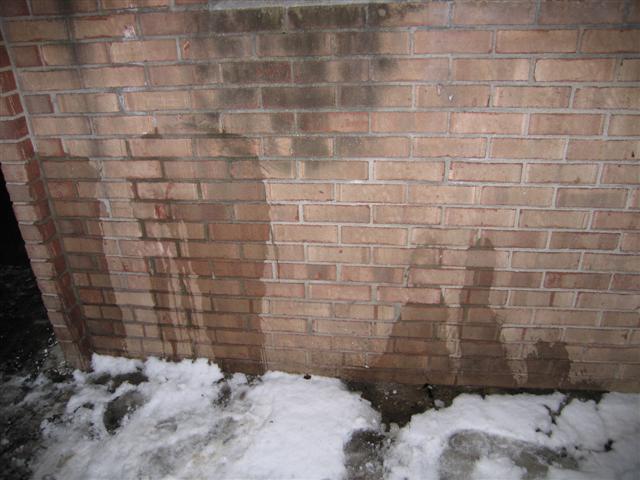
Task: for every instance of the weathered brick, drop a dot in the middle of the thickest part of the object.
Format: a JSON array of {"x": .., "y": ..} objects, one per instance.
[
  {"x": 563, "y": 124},
  {"x": 493, "y": 12},
  {"x": 527, "y": 148},
  {"x": 357, "y": 43},
  {"x": 413, "y": 170},
  {"x": 331, "y": 71},
  {"x": 490, "y": 69},
  {"x": 484, "y": 172},
  {"x": 580, "y": 12},
  {"x": 596, "y": 97},
  {"x": 538, "y": 97},
  {"x": 611, "y": 41},
  {"x": 574, "y": 70},
  {"x": 453, "y": 96},
  {"x": 453, "y": 41},
  {"x": 412, "y": 14},
  {"x": 553, "y": 219},
  {"x": 375, "y": 96},
  {"x": 536, "y": 41},
  {"x": 556, "y": 173},
  {"x": 449, "y": 147}
]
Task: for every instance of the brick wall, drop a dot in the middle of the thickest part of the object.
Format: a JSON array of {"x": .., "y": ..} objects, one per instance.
[{"x": 440, "y": 192}]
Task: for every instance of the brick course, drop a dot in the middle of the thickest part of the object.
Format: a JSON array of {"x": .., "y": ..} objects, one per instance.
[{"x": 440, "y": 192}]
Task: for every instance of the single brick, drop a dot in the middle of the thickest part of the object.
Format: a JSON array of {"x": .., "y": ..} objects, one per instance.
[{"x": 536, "y": 41}]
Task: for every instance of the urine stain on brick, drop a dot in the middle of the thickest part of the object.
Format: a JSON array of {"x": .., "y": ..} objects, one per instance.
[{"x": 438, "y": 343}]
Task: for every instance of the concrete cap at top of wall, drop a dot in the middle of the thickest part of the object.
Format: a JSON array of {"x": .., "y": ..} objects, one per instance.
[{"x": 239, "y": 4}]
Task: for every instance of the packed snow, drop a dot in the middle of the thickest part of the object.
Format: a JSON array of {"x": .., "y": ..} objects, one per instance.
[{"x": 156, "y": 419}]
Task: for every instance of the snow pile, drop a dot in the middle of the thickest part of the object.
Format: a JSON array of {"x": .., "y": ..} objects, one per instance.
[
  {"x": 155, "y": 419},
  {"x": 182, "y": 420},
  {"x": 521, "y": 436}
]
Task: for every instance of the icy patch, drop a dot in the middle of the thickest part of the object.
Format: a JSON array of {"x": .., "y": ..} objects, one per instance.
[
  {"x": 521, "y": 436},
  {"x": 186, "y": 422}
]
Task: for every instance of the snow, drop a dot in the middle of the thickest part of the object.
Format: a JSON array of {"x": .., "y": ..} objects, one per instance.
[
  {"x": 501, "y": 428},
  {"x": 193, "y": 425},
  {"x": 187, "y": 420}
]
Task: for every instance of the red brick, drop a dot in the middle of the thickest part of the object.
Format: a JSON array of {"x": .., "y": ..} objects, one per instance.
[
  {"x": 224, "y": 97},
  {"x": 308, "y": 97},
  {"x": 294, "y": 44},
  {"x": 485, "y": 217},
  {"x": 624, "y": 174},
  {"x": 608, "y": 300},
  {"x": 333, "y": 122},
  {"x": 453, "y": 96},
  {"x": 539, "y": 97},
  {"x": 246, "y": 232},
  {"x": 256, "y": 72},
  {"x": 555, "y": 261},
  {"x": 160, "y": 147},
  {"x": 143, "y": 51},
  {"x": 611, "y": 41},
  {"x": 123, "y": 125},
  {"x": 257, "y": 122},
  {"x": 484, "y": 172},
  {"x": 83, "y": 53},
  {"x": 293, "y": 191},
  {"x": 334, "y": 170},
  {"x": 449, "y": 147},
  {"x": 491, "y": 69},
  {"x": 602, "y": 150},
  {"x": 27, "y": 56},
  {"x": 574, "y": 70},
  {"x": 306, "y": 271},
  {"x": 168, "y": 191},
  {"x": 493, "y": 13},
  {"x": 96, "y": 148},
  {"x": 391, "y": 69},
  {"x": 184, "y": 74},
  {"x": 589, "y": 281},
  {"x": 132, "y": 169},
  {"x": 441, "y": 194},
  {"x": 402, "y": 214},
  {"x": 227, "y": 147},
  {"x": 336, "y": 213},
  {"x": 298, "y": 147},
  {"x": 586, "y": 241},
  {"x": 104, "y": 26},
  {"x": 338, "y": 254},
  {"x": 374, "y": 235},
  {"x": 556, "y": 173},
  {"x": 373, "y": 147},
  {"x": 407, "y": 15},
  {"x": 375, "y": 96},
  {"x": 616, "y": 220},
  {"x": 624, "y": 98},
  {"x": 409, "y": 295},
  {"x": 624, "y": 125},
  {"x": 553, "y": 219},
  {"x": 629, "y": 70},
  {"x": 34, "y": 30},
  {"x": 215, "y": 47},
  {"x": 339, "y": 16},
  {"x": 412, "y": 170},
  {"x": 626, "y": 282},
  {"x": 536, "y": 41},
  {"x": 259, "y": 169},
  {"x": 113, "y": 77},
  {"x": 521, "y": 239},
  {"x": 371, "y": 193},
  {"x": 372, "y": 274},
  {"x": 409, "y": 122},
  {"x": 516, "y": 196},
  {"x": 503, "y": 123},
  {"x": 611, "y": 262},
  {"x": 527, "y": 148},
  {"x": 54, "y": 80},
  {"x": 453, "y": 41},
  {"x": 357, "y": 43},
  {"x": 305, "y": 233},
  {"x": 581, "y": 12},
  {"x": 591, "y": 197},
  {"x": 562, "y": 124},
  {"x": 91, "y": 102},
  {"x": 340, "y": 292},
  {"x": 60, "y": 125},
  {"x": 331, "y": 71},
  {"x": 234, "y": 191}
]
